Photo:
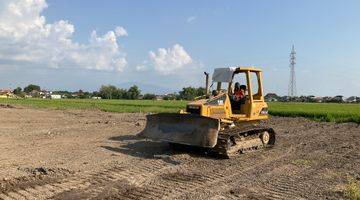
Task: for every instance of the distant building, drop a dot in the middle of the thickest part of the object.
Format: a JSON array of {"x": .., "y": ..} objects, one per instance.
[
  {"x": 55, "y": 96},
  {"x": 96, "y": 97},
  {"x": 337, "y": 99},
  {"x": 159, "y": 97},
  {"x": 169, "y": 97},
  {"x": 3, "y": 96},
  {"x": 271, "y": 97},
  {"x": 326, "y": 99},
  {"x": 6, "y": 93},
  {"x": 353, "y": 99},
  {"x": 318, "y": 99},
  {"x": 290, "y": 99},
  {"x": 310, "y": 98}
]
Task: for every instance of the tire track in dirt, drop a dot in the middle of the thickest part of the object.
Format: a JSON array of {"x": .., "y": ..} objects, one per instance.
[
  {"x": 222, "y": 184},
  {"x": 136, "y": 175},
  {"x": 171, "y": 186},
  {"x": 135, "y": 183},
  {"x": 293, "y": 185},
  {"x": 133, "y": 171},
  {"x": 285, "y": 187},
  {"x": 200, "y": 178},
  {"x": 301, "y": 183},
  {"x": 187, "y": 180},
  {"x": 248, "y": 175}
]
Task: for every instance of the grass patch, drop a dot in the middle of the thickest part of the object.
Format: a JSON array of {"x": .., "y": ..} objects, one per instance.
[
  {"x": 302, "y": 163},
  {"x": 352, "y": 190},
  {"x": 129, "y": 106},
  {"x": 329, "y": 112}
]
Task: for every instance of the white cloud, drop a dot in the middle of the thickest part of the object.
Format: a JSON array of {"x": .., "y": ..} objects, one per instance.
[
  {"x": 167, "y": 61},
  {"x": 142, "y": 67},
  {"x": 120, "y": 31},
  {"x": 26, "y": 40},
  {"x": 191, "y": 19}
]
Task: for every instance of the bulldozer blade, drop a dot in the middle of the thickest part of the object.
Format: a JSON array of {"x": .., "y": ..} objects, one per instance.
[{"x": 185, "y": 129}]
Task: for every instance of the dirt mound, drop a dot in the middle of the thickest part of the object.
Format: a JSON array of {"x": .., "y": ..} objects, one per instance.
[
  {"x": 6, "y": 106},
  {"x": 36, "y": 177}
]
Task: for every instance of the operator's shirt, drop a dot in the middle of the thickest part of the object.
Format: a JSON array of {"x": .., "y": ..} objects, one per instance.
[{"x": 239, "y": 95}]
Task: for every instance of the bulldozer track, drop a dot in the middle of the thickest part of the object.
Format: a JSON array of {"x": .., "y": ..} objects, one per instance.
[
  {"x": 134, "y": 173},
  {"x": 145, "y": 188},
  {"x": 294, "y": 186},
  {"x": 172, "y": 188},
  {"x": 224, "y": 182},
  {"x": 148, "y": 180},
  {"x": 285, "y": 188},
  {"x": 243, "y": 139},
  {"x": 133, "y": 178}
]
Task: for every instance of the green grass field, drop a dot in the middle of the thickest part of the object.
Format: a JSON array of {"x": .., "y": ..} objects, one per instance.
[
  {"x": 131, "y": 106},
  {"x": 331, "y": 112},
  {"x": 317, "y": 111}
]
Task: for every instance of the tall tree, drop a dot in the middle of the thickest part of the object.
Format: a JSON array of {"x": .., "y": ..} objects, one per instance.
[
  {"x": 107, "y": 91},
  {"x": 149, "y": 96},
  {"x": 17, "y": 91},
  {"x": 200, "y": 91},
  {"x": 133, "y": 92},
  {"x": 31, "y": 88},
  {"x": 188, "y": 93}
]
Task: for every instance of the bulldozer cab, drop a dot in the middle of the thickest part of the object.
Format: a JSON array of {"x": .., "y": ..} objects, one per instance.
[{"x": 252, "y": 105}]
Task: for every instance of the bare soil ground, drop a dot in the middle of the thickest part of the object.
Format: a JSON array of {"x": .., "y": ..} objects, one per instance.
[{"x": 57, "y": 154}]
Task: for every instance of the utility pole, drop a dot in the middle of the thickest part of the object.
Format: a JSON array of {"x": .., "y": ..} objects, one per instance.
[{"x": 292, "y": 80}]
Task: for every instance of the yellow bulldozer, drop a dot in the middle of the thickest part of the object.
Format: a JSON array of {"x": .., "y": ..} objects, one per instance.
[{"x": 218, "y": 122}]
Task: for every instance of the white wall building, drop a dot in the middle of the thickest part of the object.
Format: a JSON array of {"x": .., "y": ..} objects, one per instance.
[{"x": 55, "y": 96}]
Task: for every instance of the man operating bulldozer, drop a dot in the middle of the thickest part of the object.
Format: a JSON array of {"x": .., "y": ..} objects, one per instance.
[
  {"x": 239, "y": 92},
  {"x": 226, "y": 123},
  {"x": 238, "y": 97}
]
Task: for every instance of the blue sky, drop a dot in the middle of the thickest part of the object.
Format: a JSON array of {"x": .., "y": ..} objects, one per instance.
[{"x": 194, "y": 36}]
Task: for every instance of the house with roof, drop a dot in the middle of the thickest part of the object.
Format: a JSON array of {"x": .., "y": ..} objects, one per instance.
[
  {"x": 353, "y": 99},
  {"x": 269, "y": 97}
]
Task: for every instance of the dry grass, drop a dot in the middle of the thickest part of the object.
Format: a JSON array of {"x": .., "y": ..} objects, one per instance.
[{"x": 352, "y": 190}]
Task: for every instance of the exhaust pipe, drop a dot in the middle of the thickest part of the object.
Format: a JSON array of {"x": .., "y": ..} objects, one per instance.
[{"x": 207, "y": 84}]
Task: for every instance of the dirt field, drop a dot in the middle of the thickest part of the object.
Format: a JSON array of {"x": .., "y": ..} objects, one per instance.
[{"x": 61, "y": 154}]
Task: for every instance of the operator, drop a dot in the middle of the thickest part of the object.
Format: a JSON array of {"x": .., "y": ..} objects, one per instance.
[{"x": 239, "y": 92}]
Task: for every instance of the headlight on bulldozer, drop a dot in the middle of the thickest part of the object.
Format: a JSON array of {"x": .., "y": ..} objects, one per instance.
[{"x": 264, "y": 111}]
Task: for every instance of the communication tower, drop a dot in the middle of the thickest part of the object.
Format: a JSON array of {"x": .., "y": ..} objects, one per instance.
[{"x": 292, "y": 80}]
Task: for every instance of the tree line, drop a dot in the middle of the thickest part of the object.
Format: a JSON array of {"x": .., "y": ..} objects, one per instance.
[{"x": 112, "y": 92}]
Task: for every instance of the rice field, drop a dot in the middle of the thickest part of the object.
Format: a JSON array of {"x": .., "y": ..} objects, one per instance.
[
  {"x": 129, "y": 106},
  {"x": 331, "y": 112}
]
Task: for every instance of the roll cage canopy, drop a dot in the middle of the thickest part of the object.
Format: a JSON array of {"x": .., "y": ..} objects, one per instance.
[{"x": 227, "y": 74}]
